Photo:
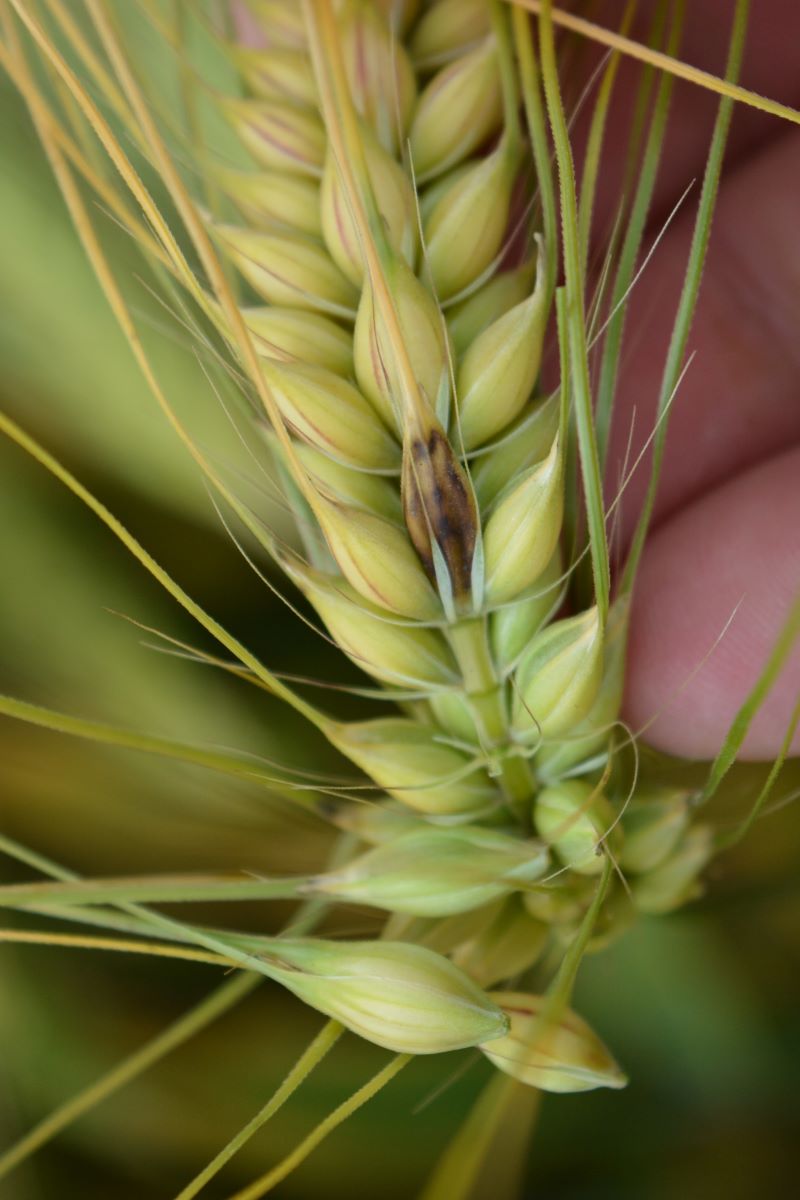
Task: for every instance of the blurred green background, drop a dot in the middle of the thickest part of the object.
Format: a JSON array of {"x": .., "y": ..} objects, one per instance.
[{"x": 702, "y": 1009}]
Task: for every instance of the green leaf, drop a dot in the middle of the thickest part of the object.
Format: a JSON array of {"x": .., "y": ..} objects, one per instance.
[
  {"x": 309, "y": 1059},
  {"x": 576, "y": 319},
  {"x": 674, "y": 365}
]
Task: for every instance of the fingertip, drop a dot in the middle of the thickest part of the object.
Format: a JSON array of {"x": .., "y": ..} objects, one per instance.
[{"x": 714, "y": 590}]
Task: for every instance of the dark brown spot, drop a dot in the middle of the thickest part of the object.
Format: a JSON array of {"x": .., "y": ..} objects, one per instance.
[{"x": 438, "y": 505}]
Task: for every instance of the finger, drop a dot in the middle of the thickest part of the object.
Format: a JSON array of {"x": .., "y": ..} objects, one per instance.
[
  {"x": 738, "y": 402},
  {"x": 738, "y": 546}
]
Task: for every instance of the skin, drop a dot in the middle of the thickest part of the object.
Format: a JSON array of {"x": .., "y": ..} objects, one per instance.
[{"x": 725, "y": 545}]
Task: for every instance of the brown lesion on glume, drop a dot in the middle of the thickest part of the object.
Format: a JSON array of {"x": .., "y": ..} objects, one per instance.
[{"x": 438, "y": 504}]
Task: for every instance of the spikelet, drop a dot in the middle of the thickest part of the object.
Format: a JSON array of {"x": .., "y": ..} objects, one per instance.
[
  {"x": 574, "y": 820},
  {"x": 373, "y": 823},
  {"x": 290, "y": 334},
  {"x": 269, "y": 198},
  {"x": 289, "y": 270},
  {"x": 277, "y": 74},
  {"x": 560, "y": 903},
  {"x": 447, "y": 29},
  {"x": 394, "y": 197},
  {"x": 559, "y": 676},
  {"x": 332, "y": 415},
  {"x": 416, "y": 766},
  {"x": 523, "y": 529},
  {"x": 398, "y": 654},
  {"x": 423, "y": 336},
  {"x": 676, "y": 880},
  {"x": 591, "y": 735},
  {"x": 280, "y": 136},
  {"x": 555, "y": 1054},
  {"x": 281, "y": 24},
  {"x": 378, "y": 560},
  {"x": 460, "y": 108},
  {"x": 464, "y": 230},
  {"x": 382, "y": 81},
  {"x": 485, "y": 304},
  {"x": 403, "y": 997},
  {"x": 434, "y": 872},
  {"x": 440, "y": 513},
  {"x": 653, "y": 823},
  {"x": 454, "y": 714},
  {"x": 520, "y": 446},
  {"x": 498, "y": 371},
  {"x": 513, "y": 627},
  {"x": 346, "y": 484},
  {"x": 510, "y": 943}
]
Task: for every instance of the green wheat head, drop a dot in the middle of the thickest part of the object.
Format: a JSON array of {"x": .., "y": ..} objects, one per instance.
[{"x": 367, "y": 220}]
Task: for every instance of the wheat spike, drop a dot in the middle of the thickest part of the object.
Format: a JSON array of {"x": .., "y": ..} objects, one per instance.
[
  {"x": 393, "y": 301},
  {"x": 428, "y": 457}
]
